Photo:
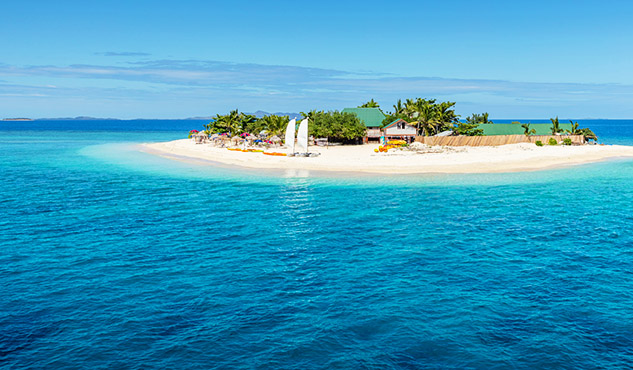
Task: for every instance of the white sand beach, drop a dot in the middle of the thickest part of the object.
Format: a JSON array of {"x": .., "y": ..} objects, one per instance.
[{"x": 423, "y": 159}]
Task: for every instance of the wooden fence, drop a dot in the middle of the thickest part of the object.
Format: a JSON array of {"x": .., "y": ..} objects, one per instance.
[{"x": 495, "y": 140}]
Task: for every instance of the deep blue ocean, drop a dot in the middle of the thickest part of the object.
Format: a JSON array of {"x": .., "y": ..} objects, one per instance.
[{"x": 112, "y": 258}]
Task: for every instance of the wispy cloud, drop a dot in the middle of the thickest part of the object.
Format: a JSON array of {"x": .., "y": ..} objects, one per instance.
[
  {"x": 122, "y": 54},
  {"x": 279, "y": 87}
]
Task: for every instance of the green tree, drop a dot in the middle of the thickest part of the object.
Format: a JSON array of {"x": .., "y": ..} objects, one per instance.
[
  {"x": 587, "y": 133},
  {"x": 370, "y": 104},
  {"x": 478, "y": 118},
  {"x": 574, "y": 128},
  {"x": 445, "y": 116},
  {"x": 273, "y": 124},
  {"x": 335, "y": 125},
  {"x": 432, "y": 117},
  {"x": 528, "y": 131},
  {"x": 394, "y": 117},
  {"x": 398, "y": 108},
  {"x": 468, "y": 129},
  {"x": 234, "y": 123},
  {"x": 427, "y": 119},
  {"x": 555, "y": 126},
  {"x": 422, "y": 111}
]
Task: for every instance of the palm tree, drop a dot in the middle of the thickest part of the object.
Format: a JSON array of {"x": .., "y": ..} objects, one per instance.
[
  {"x": 412, "y": 107},
  {"x": 245, "y": 120},
  {"x": 588, "y": 134},
  {"x": 427, "y": 119},
  {"x": 234, "y": 122},
  {"x": 275, "y": 125},
  {"x": 555, "y": 126},
  {"x": 370, "y": 104},
  {"x": 398, "y": 108},
  {"x": 446, "y": 117},
  {"x": 574, "y": 128},
  {"x": 478, "y": 118},
  {"x": 311, "y": 114},
  {"x": 528, "y": 131}
]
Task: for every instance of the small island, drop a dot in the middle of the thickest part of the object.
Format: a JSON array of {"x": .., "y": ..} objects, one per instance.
[
  {"x": 17, "y": 119},
  {"x": 417, "y": 136}
]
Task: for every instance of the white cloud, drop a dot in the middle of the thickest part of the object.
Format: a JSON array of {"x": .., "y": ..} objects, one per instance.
[{"x": 215, "y": 86}]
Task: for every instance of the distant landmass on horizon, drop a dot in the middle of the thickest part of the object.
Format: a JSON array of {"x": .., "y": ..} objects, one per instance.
[{"x": 258, "y": 114}]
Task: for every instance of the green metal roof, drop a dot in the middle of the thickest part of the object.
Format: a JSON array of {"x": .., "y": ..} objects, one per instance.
[
  {"x": 370, "y": 117},
  {"x": 491, "y": 129}
]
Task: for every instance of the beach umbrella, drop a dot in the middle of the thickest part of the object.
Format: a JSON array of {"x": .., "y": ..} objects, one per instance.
[
  {"x": 236, "y": 139},
  {"x": 275, "y": 139},
  {"x": 250, "y": 138}
]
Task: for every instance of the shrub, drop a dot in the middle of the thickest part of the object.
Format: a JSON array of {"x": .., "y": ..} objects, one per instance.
[
  {"x": 552, "y": 141},
  {"x": 567, "y": 141},
  {"x": 336, "y": 126},
  {"x": 539, "y": 143}
]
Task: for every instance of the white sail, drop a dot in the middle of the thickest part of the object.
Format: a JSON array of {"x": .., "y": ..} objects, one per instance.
[
  {"x": 302, "y": 136},
  {"x": 290, "y": 135}
]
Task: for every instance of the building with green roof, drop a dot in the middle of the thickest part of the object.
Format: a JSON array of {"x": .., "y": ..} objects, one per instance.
[
  {"x": 493, "y": 129},
  {"x": 372, "y": 119}
]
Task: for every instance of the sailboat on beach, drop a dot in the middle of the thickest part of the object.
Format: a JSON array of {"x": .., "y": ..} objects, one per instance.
[
  {"x": 302, "y": 139},
  {"x": 290, "y": 136}
]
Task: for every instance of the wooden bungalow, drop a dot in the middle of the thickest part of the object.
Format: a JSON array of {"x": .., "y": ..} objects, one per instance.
[{"x": 400, "y": 130}]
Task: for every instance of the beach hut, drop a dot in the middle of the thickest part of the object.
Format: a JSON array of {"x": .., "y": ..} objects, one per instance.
[
  {"x": 236, "y": 140},
  {"x": 400, "y": 130},
  {"x": 200, "y": 138}
]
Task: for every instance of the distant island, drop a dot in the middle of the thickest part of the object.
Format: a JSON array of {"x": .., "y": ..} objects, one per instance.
[
  {"x": 258, "y": 114},
  {"x": 79, "y": 118}
]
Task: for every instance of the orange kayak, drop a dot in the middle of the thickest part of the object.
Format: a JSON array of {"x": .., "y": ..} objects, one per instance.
[{"x": 275, "y": 153}]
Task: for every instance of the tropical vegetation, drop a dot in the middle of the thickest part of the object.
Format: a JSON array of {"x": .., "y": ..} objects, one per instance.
[
  {"x": 468, "y": 129},
  {"x": 335, "y": 125},
  {"x": 236, "y": 123},
  {"x": 575, "y": 130},
  {"x": 555, "y": 126},
  {"x": 370, "y": 104},
  {"x": 587, "y": 133},
  {"x": 528, "y": 131},
  {"x": 478, "y": 119},
  {"x": 429, "y": 116}
]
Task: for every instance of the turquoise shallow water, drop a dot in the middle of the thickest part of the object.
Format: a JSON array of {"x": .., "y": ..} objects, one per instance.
[{"x": 113, "y": 258}]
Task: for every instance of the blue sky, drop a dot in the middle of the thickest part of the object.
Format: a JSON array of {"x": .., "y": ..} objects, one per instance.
[{"x": 175, "y": 59}]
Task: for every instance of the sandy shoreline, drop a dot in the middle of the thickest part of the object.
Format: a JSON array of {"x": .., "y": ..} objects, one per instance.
[{"x": 362, "y": 158}]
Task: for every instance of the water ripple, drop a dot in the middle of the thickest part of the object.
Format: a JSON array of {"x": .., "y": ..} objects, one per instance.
[{"x": 113, "y": 267}]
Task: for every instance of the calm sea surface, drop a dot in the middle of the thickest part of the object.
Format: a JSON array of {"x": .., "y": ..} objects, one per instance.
[{"x": 113, "y": 258}]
